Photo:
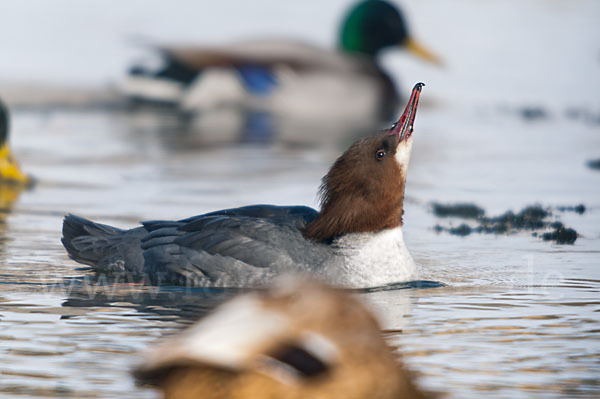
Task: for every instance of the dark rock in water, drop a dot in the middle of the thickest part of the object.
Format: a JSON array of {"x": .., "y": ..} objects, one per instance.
[
  {"x": 533, "y": 113},
  {"x": 580, "y": 209},
  {"x": 462, "y": 230},
  {"x": 585, "y": 115},
  {"x": 594, "y": 164},
  {"x": 467, "y": 211},
  {"x": 562, "y": 235},
  {"x": 530, "y": 218},
  {"x": 556, "y": 225},
  {"x": 573, "y": 113},
  {"x": 533, "y": 217}
]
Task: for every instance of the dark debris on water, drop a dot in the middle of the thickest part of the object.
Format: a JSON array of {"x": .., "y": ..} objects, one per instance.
[
  {"x": 467, "y": 211},
  {"x": 561, "y": 234},
  {"x": 533, "y": 113},
  {"x": 580, "y": 209},
  {"x": 532, "y": 218},
  {"x": 594, "y": 164}
]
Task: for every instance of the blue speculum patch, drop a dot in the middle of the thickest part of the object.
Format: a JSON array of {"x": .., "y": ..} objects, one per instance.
[{"x": 258, "y": 80}]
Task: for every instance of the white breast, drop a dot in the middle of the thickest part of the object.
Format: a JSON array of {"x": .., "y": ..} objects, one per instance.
[{"x": 371, "y": 260}]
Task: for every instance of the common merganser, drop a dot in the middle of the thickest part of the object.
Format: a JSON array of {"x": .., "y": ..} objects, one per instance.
[
  {"x": 355, "y": 241},
  {"x": 288, "y": 78},
  {"x": 299, "y": 339},
  {"x": 10, "y": 172}
]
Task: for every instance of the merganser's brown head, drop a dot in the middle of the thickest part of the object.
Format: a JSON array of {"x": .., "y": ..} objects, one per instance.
[{"x": 364, "y": 189}]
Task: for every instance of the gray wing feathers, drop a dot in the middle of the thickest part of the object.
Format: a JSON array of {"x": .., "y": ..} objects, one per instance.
[
  {"x": 230, "y": 248},
  {"x": 101, "y": 246},
  {"x": 183, "y": 266},
  {"x": 228, "y": 251}
]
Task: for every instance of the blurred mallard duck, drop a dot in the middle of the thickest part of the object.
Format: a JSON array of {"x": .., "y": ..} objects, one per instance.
[
  {"x": 285, "y": 77},
  {"x": 10, "y": 172},
  {"x": 12, "y": 180},
  {"x": 299, "y": 339}
]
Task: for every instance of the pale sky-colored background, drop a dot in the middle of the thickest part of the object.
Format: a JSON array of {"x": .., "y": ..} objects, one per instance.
[{"x": 553, "y": 44}]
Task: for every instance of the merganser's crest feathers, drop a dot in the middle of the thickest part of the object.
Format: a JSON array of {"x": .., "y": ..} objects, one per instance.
[{"x": 363, "y": 191}]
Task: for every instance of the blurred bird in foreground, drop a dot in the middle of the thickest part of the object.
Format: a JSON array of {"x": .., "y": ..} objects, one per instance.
[
  {"x": 299, "y": 339},
  {"x": 287, "y": 78}
]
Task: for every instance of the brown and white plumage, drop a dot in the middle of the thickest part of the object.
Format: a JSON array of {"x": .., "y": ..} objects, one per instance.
[
  {"x": 299, "y": 339},
  {"x": 355, "y": 241}
]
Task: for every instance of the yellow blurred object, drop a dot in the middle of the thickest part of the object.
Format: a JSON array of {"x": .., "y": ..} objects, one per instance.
[
  {"x": 418, "y": 50},
  {"x": 10, "y": 172},
  {"x": 9, "y": 194}
]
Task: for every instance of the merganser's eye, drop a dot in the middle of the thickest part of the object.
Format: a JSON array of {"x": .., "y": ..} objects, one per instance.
[{"x": 380, "y": 154}]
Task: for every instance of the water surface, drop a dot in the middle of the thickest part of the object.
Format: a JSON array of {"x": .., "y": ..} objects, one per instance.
[{"x": 518, "y": 317}]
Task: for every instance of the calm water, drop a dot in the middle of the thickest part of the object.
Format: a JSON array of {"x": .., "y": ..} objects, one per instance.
[{"x": 519, "y": 317}]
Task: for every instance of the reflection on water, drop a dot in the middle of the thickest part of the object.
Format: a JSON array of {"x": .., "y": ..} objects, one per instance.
[
  {"x": 517, "y": 317},
  {"x": 179, "y": 131},
  {"x": 517, "y": 342},
  {"x": 511, "y": 121},
  {"x": 9, "y": 194}
]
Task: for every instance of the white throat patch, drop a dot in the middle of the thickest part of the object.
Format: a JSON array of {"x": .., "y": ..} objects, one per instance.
[{"x": 403, "y": 153}]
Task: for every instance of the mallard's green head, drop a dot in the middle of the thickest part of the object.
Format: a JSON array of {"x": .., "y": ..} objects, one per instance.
[{"x": 374, "y": 25}]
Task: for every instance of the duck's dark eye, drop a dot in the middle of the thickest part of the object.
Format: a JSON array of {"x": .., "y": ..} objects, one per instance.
[
  {"x": 380, "y": 154},
  {"x": 305, "y": 363}
]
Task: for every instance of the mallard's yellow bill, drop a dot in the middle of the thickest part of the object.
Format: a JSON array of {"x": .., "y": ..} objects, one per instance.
[
  {"x": 421, "y": 52},
  {"x": 9, "y": 168}
]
